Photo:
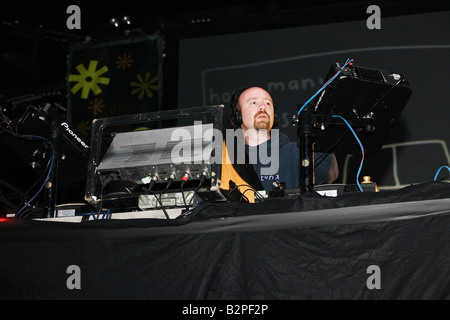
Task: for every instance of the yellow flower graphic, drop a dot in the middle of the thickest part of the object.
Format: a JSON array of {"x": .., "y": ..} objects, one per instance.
[
  {"x": 124, "y": 61},
  {"x": 96, "y": 106},
  {"x": 84, "y": 127},
  {"x": 144, "y": 85},
  {"x": 89, "y": 79}
]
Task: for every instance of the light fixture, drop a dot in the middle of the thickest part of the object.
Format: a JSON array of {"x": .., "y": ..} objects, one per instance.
[
  {"x": 126, "y": 20},
  {"x": 114, "y": 22}
]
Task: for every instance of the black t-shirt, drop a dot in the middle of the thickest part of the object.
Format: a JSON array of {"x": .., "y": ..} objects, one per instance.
[{"x": 287, "y": 170}]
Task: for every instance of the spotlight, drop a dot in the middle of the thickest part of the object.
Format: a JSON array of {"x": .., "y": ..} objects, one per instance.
[
  {"x": 126, "y": 20},
  {"x": 114, "y": 22},
  {"x": 201, "y": 20}
]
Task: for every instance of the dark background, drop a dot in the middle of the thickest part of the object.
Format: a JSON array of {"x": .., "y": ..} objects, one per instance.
[{"x": 35, "y": 44}]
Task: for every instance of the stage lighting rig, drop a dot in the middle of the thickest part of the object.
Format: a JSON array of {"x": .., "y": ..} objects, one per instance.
[{"x": 125, "y": 21}]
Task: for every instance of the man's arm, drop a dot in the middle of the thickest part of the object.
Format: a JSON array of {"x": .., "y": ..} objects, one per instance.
[
  {"x": 326, "y": 169},
  {"x": 333, "y": 174}
]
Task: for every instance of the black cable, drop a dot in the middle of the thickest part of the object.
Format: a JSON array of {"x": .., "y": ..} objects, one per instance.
[
  {"x": 202, "y": 179},
  {"x": 24, "y": 117},
  {"x": 186, "y": 213},
  {"x": 236, "y": 187},
  {"x": 7, "y": 121},
  {"x": 43, "y": 175},
  {"x": 104, "y": 184},
  {"x": 257, "y": 194},
  {"x": 183, "y": 181},
  {"x": 149, "y": 190},
  {"x": 243, "y": 195},
  {"x": 27, "y": 137},
  {"x": 169, "y": 183},
  {"x": 5, "y": 130},
  {"x": 19, "y": 212},
  {"x": 384, "y": 94},
  {"x": 188, "y": 210},
  {"x": 31, "y": 212}
]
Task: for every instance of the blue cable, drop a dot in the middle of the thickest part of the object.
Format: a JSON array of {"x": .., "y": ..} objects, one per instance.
[
  {"x": 325, "y": 85},
  {"x": 437, "y": 173},
  {"x": 336, "y": 116},
  {"x": 362, "y": 150},
  {"x": 46, "y": 179},
  {"x": 106, "y": 214},
  {"x": 110, "y": 211}
]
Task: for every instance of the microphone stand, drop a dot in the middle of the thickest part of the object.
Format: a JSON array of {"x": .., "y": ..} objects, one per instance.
[
  {"x": 51, "y": 186},
  {"x": 306, "y": 122},
  {"x": 306, "y": 136}
]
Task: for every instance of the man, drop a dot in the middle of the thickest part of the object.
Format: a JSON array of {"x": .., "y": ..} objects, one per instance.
[{"x": 252, "y": 110}]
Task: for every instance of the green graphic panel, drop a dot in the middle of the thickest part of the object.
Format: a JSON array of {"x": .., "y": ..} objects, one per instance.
[{"x": 114, "y": 79}]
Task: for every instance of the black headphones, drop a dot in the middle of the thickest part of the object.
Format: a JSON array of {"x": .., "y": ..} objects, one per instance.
[{"x": 235, "y": 116}]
